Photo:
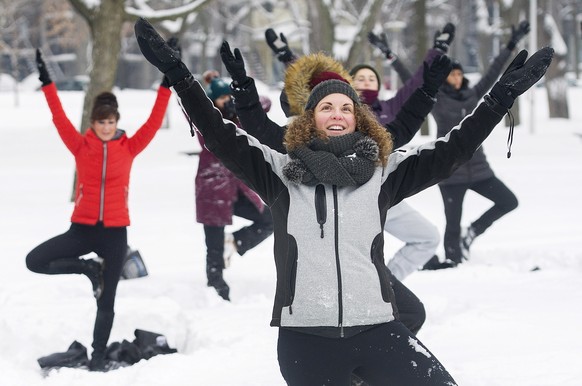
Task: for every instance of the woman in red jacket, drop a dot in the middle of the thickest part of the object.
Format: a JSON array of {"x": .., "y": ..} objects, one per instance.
[{"x": 103, "y": 158}]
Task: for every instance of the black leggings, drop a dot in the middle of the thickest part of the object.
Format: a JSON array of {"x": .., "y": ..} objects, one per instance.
[
  {"x": 504, "y": 201},
  {"x": 386, "y": 355},
  {"x": 108, "y": 243},
  {"x": 246, "y": 238}
]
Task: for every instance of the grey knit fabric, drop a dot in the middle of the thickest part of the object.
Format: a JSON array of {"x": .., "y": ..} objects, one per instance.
[
  {"x": 328, "y": 87},
  {"x": 335, "y": 161}
]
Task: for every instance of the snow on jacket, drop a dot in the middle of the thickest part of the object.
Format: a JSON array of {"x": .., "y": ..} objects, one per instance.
[
  {"x": 103, "y": 168},
  {"x": 217, "y": 189},
  {"x": 338, "y": 280},
  {"x": 454, "y": 105}
]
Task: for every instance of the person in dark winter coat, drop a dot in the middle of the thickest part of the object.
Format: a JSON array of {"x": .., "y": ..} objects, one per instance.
[
  {"x": 219, "y": 196},
  {"x": 329, "y": 196},
  {"x": 456, "y": 100},
  {"x": 103, "y": 158}
]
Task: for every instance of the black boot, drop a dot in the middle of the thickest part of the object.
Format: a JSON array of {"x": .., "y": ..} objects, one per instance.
[
  {"x": 88, "y": 267},
  {"x": 101, "y": 332},
  {"x": 215, "y": 279}
]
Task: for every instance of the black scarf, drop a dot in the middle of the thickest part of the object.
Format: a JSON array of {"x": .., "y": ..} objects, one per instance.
[{"x": 347, "y": 160}]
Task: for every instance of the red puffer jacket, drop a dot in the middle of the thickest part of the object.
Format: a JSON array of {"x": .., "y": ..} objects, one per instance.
[{"x": 103, "y": 167}]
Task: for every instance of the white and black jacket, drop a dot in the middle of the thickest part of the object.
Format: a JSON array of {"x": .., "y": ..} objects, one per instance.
[{"x": 328, "y": 240}]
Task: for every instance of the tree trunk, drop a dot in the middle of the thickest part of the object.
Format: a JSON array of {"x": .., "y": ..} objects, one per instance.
[
  {"x": 361, "y": 39},
  {"x": 421, "y": 36},
  {"x": 322, "y": 28},
  {"x": 555, "y": 82}
]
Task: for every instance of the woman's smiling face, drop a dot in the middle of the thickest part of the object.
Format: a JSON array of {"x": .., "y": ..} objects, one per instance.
[{"x": 335, "y": 115}]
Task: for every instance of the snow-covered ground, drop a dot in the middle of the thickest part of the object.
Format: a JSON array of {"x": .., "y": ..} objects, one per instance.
[{"x": 492, "y": 321}]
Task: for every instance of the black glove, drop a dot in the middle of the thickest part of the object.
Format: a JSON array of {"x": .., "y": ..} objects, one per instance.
[
  {"x": 235, "y": 65},
  {"x": 279, "y": 46},
  {"x": 174, "y": 44},
  {"x": 159, "y": 53},
  {"x": 521, "y": 75},
  {"x": 435, "y": 75},
  {"x": 43, "y": 74},
  {"x": 443, "y": 39},
  {"x": 381, "y": 42},
  {"x": 517, "y": 34}
]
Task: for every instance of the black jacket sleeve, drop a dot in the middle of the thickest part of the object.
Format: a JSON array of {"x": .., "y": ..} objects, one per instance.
[
  {"x": 241, "y": 153},
  {"x": 415, "y": 170},
  {"x": 254, "y": 120},
  {"x": 410, "y": 118}
]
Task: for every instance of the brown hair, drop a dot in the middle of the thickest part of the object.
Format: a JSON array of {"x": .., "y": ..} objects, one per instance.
[
  {"x": 104, "y": 106},
  {"x": 302, "y": 130}
]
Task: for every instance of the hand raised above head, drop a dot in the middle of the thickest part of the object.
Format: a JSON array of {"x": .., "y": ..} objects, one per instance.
[
  {"x": 43, "y": 74},
  {"x": 279, "y": 46},
  {"x": 234, "y": 63},
  {"x": 381, "y": 42},
  {"x": 520, "y": 75},
  {"x": 435, "y": 74},
  {"x": 444, "y": 38},
  {"x": 159, "y": 53}
]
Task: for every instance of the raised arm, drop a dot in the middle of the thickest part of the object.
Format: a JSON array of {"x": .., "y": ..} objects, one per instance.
[
  {"x": 68, "y": 133},
  {"x": 253, "y": 119},
  {"x": 414, "y": 111},
  {"x": 240, "y": 153},
  {"x": 494, "y": 70},
  {"x": 381, "y": 42},
  {"x": 413, "y": 171}
]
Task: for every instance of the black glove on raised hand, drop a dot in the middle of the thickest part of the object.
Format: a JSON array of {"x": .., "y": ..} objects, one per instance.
[
  {"x": 155, "y": 49},
  {"x": 174, "y": 44},
  {"x": 435, "y": 75},
  {"x": 43, "y": 74},
  {"x": 521, "y": 75},
  {"x": 381, "y": 42},
  {"x": 235, "y": 65},
  {"x": 517, "y": 34},
  {"x": 443, "y": 39},
  {"x": 279, "y": 46}
]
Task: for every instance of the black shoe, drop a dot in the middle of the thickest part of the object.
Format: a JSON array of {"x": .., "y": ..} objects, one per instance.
[
  {"x": 466, "y": 240},
  {"x": 216, "y": 280},
  {"x": 432, "y": 264},
  {"x": 98, "y": 362},
  {"x": 159, "y": 53},
  {"x": 95, "y": 274}
]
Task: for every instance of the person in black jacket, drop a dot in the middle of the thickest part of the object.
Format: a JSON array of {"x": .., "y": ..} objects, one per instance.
[
  {"x": 328, "y": 197},
  {"x": 299, "y": 73},
  {"x": 457, "y": 100}
]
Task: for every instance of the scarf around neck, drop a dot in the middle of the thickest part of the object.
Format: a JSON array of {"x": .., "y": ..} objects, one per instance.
[{"x": 347, "y": 160}]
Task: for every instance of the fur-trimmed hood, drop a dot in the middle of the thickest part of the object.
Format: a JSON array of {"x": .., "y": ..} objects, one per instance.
[{"x": 300, "y": 73}]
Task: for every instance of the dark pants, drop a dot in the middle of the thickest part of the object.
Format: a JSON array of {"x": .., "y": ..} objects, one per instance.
[
  {"x": 108, "y": 243},
  {"x": 410, "y": 308},
  {"x": 245, "y": 238},
  {"x": 386, "y": 355},
  {"x": 504, "y": 201}
]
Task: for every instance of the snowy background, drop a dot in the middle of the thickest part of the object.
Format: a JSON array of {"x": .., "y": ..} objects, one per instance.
[{"x": 492, "y": 321}]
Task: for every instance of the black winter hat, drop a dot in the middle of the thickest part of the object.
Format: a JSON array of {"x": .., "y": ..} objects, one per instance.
[
  {"x": 357, "y": 68},
  {"x": 330, "y": 83},
  {"x": 456, "y": 65}
]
